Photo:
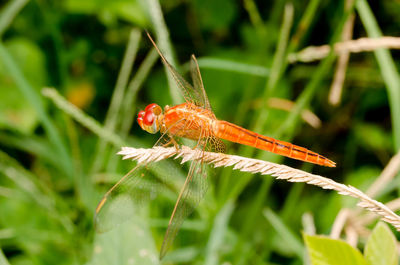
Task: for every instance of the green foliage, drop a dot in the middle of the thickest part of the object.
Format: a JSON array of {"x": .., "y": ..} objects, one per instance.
[
  {"x": 381, "y": 248},
  {"x": 129, "y": 243},
  {"x": 324, "y": 250},
  {"x": 210, "y": 15},
  {"x": 16, "y": 112},
  {"x": 57, "y": 159},
  {"x": 109, "y": 11}
]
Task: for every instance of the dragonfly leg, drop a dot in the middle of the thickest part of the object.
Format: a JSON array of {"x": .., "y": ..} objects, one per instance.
[
  {"x": 171, "y": 142},
  {"x": 175, "y": 143},
  {"x": 202, "y": 143},
  {"x": 197, "y": 145}
]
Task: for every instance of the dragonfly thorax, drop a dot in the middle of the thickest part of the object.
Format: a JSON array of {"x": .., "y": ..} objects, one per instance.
[{"x": 150, "y": 119}]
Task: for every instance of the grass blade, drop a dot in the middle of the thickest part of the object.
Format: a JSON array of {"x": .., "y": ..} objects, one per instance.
[
  {"x": 217, "y": 234},
  {"x": 118, "y": 95},
  {"x": 3, "y": 259},
  {"x": 232, "y": 66},
  {"x": 285, "y": 233},
  {"x": 82, "y": 117},
  {"x": 9, "y": 13},
  {"x": 387, "y": 66},
  {"x": 164, "y": 43},
  {"x": 36, "y": 101},
  {"x": 128, "y": 108}
]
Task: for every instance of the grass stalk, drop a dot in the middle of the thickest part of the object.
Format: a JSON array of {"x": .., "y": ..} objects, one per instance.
[
  {"x": 10, "y": 11},
  {"x": 113, "y": 112},
  {"x": 82, "y": 118},
  {"x": 231, "y": 188},
  {"x": 232, "y": 66},
  {"x": 251, "y": 220},
  {"x": 164, "y": 43},
  {"x": 117, "y": 98},
  {"x": 128, "y": 105},
  {"x": 305, "y": 97},
  {"x": 313, "y": 53},
  {"x": 255, "y": 166},
  {"x": 277, "y": 65},
  {"x": 3, "y": 259},
  {"x": 285, "y": 233},
  {"x": 217, "y": 234},
  {"x": 304, "y": 25},
  {"x": 387, "y": 66},
  {"x": 36, "y": 101},
  {"x": 32, "y": 187}
]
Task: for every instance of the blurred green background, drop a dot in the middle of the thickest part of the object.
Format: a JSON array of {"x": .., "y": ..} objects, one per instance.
[{"x": 55, "y": 163}]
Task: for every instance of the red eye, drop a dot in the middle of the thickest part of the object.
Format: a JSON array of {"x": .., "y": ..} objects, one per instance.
[
  {"x": 141, "y": 114},
  {"x": 140, "y": 117},
  {"x": 148, "y": 118},
  {"x": 150, "y": 106}
]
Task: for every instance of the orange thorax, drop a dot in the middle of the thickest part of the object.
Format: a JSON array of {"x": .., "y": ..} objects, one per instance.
[{"x": 188, "y": 120}]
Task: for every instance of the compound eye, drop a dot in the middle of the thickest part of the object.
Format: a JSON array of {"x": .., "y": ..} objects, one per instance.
[
  {"x": 141, "y": 114},
  {"x": 150, "y": 106},
  {"x": 140, "y": 118},
  {"x": 148, "y": 118}
]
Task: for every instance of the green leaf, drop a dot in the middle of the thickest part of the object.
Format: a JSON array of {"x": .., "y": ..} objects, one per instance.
[
  {"x": 327, "y": 251},
  {"x": 290, "y": 240},
  {"x": 128, "y": 243},
  {"x": 381, "y": 247},
  {"x": 129, "y": 10},
  {"x": 15, "y": 110},
  {"x": 387, "y": 67},
  {"x": 215, "y": 14},
  {"x": 218, "y": 232},
  {"x": 373, "y": 137}
]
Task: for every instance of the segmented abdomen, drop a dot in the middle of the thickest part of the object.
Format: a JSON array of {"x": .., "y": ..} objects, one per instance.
[{"x": 237, "y": 134}]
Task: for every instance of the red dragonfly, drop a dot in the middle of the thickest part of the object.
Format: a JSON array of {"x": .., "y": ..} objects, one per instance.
[{"x": 194, "y": 120}]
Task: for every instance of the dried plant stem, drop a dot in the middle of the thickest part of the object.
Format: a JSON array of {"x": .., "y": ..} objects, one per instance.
[
  {"x": 369, "y": 218},
  {"x": 285, "y": 104},
  {"x": 307, "y": 220},
  {"x": 313, "y": 53},
  {"x": 351, "y": 236},
  {"x": 341, "y": 67},
  {"x": 387, "y": 175},
  {"x": 339, "y": 223},
  {"x": 354, "y": 216},
  {"x": 264, "y": 168}
]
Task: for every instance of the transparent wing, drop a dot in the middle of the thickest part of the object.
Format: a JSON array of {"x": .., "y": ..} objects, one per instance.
[
  {"x": 193, "y": 190},
  {"x": 189, "y": 197},
  {"x": 198, "y": 83},
  {"x": 138, "y": 186},
  {"x": 117, "y": 205},
  {"x": 193, "y": 95},
  {"x": 215, "y": 144}
]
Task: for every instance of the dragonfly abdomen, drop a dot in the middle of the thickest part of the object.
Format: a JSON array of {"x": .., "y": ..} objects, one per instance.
[{"x": 231, "y": 132}]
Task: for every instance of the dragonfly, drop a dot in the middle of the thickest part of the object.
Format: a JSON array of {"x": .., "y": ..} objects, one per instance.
[{"x": 196, "y": 121}]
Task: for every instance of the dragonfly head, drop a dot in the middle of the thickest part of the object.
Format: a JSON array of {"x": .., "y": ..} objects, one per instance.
[{"x": 149, "y": 119}]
